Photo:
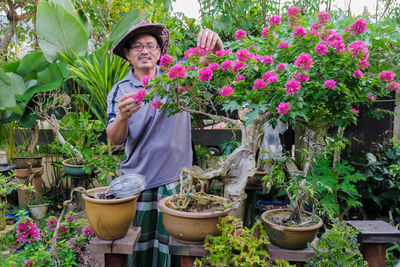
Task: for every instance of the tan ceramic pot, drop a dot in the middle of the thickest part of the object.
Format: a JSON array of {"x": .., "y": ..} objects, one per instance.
[
  {"x": 110, "y": 218},
  {"x": 189, "y": 227},
  {"x": 289, "y": 237}
]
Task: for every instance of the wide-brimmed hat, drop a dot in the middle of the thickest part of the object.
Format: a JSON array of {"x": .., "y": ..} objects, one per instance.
[{"x": 144, "y": 26}]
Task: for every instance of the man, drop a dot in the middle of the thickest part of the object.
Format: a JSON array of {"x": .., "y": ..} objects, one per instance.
[{"x": 156, "y": 146}]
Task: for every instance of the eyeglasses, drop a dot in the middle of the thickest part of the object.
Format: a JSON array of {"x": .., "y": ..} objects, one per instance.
[{"x": 149, "y": 47}]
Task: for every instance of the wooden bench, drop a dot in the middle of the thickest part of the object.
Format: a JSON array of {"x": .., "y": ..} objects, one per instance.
[
  {"x": 189, "y": 253},
  {"x": 114, "y": 253},
  {"x": 373, "y": 237}
]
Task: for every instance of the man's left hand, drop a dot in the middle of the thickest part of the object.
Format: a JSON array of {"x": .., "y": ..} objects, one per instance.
[{"x": 209, "y": 40}]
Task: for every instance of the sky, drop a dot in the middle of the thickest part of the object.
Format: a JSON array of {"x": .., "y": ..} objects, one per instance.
[{"x": 191, "y": 7}]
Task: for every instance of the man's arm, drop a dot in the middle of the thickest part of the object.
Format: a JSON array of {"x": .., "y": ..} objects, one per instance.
[{"x": 117, "y": 131}]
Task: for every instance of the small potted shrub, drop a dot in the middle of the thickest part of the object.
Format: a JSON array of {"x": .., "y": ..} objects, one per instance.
[{"x": 37, "y": 204}]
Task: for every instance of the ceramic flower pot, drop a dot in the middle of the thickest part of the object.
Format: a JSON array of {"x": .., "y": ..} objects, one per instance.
[
  {"x": 23, "y": 162},
  {"x": 289, "y": 237},
  {"x": 190, "y": 227},
  {"x": 38, "y": 211},
  {"x": 73, "y": 170},
  {"x": 110, "y": 218}
]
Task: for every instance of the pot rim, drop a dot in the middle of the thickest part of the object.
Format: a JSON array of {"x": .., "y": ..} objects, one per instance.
[
  {"x": 38, "y": 205},
  {"x": 106, "y": 201},
  {"x": 65, "y": 163},
  {"x": 287, "y": 228},
  {"x": 185, "y": 214}
]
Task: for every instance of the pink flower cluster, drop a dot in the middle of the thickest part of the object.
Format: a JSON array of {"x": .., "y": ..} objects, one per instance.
[
  {"x": 304, "y": 61},
  {"x": 239, "y": 34},
  {"x": 321, "y": 49},
  {"x": 387, "y": 75},
  {"x": 27, "y": 231},
  {"x": 292, "y": 87},
  {"x": 165, "y": 60},
  {"x": 243, "y": 55},
  {"x": 283, "y": 108},
  {"x": 227, "y": 64},
  {"x": 226, "y": 91},
  {"x": 265, "y": 31},
  {"x": 293, "y": 13},
  {"x": 281, "y": 66},
  {"x": 358, "y": 27},
  {"x": 221, "y": 53},
  {"x": 283, "y": 45},
  {"x": 145, "y": 80},
  {"x": 205, "y": 74},
  {"x": 270, "y": 77},
  {"x": 301, "y": 77},
  {"x": 358, "y": 74},
  {"x": 156, "y": 104},
  {"x": 87, "y": 231},
  {"x": 52, "y": 223},
  {"x": 139, "y": 96},
  {"x": 299, "y": 31},
  {"x": 330, "y": 84},
  {"x": 238, "y": 66},
  {"x": 259, "y": 83},
  {"x": 177, "y": 72},
  {"x": 323, "y": 18},
  {"x": 358, "y": 49},
  {"x": 239, "y": 77},
  {"x": 393, "y": 86},
  {"x": 274, "y": 20},
  {"x": 196, "y": 51}
]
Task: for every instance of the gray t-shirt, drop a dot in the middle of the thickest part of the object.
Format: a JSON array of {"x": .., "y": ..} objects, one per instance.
[{"x": 157, "y": 146}]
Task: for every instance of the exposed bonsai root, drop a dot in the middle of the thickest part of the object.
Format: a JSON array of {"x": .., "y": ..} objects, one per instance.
[{"x": 197, "y": 201}]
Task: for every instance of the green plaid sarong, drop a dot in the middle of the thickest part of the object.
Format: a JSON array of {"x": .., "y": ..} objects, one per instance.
[{"x": 152, "y": 248}]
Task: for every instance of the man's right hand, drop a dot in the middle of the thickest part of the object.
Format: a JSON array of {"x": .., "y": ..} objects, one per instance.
[{"x": 127, "y": 106}]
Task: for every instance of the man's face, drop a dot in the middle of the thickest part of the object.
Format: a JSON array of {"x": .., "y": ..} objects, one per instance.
[{"x": 144, "y": 52}]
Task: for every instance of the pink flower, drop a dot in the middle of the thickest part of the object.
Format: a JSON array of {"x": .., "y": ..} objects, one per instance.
[
  {"x": 205, "y": 74},
  {"x": 387, "y": 75},
  {"x": 257, "y": 58},
  {"x": 238, "y": 66},
  {"x": 281, "y": 66},
  {"x": 321, "y": 49},
  {"x": 299, "y": 31},
  {"x": 358, "y": 27},
  {"x": 283, "y": 108},
  {"x": 243, "y": 55},
  {"x": 213, "y": 66},
  {"x": 358, "y": 49},
  {"x": 239, "y": 77},
  {"x": 259, "y": 83},
  {"x": 165, "y": 60},
  {"x": 239, "y": 34},
  {"x": 356, "y": 111},
  {"x": 283, "y": 45},
  {"x": 358, "y": 74},
  {"x": 272, "y": 79},
  {"x": 363, "y": 63},
  {"x": 371, "y": 98},
  {"x": 274, "y": 20},
  {"x": 27, "y": 231},
  {"x": 226, "y": 64},
  {"x": 268, "y": 60},
  {"x": 268, "y": 74},
  {"x": 156, "y": 104},
  {"x": 87, "y": 231},
  {"x": 226, "y": 91},
  {"x": 183, "y": 89},
  {"x": 228, "y": 52},
  {"x": 323, "y": 17},
  {"x": 220, "y": 53},
  {"x": 52, "y": 223},
  {"x": 177, "y": 72},
  {"x": 145, "y": 80},
  {"x": 293, "y": 11},
  {"x": 265, "y": 31},
  {"x": 139, "y": 96},
  {"x": 70, "y": 218},
  {"x": 196, "y": 51},
  {"x": 393, "y": 86},
  {"x": 303, "y": 61},
  {"x": 330, "y": 84},
  {"x": 292, "y": 87},
  {"x": 301, "y": 77}
]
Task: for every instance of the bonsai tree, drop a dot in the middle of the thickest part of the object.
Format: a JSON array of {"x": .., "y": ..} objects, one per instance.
[{"x": 311, "y": 77}]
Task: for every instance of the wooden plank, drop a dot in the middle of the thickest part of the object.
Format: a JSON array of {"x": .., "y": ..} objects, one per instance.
[
  {"x": 298, "y": 255},
  {"x": 180, "y": 249},
  {"x": 374, "y": 254},
  {"x": 376, "y": 231},
  {"x": 125, "y": 245}
]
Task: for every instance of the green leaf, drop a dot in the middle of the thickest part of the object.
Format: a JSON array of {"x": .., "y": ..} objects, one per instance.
[
  {"x": 32, "y": 62},
  {"x": 59, "y": 30},
  {"x": 123, "y": 25}
]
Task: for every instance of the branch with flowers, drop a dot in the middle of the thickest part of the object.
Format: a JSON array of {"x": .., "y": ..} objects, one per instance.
[{"x": 311, "y": 76}]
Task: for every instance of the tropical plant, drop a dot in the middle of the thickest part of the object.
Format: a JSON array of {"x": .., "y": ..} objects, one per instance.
[
  {"x": 311, "y": 77},
  {"x": 338, "y": 247},
  {"x": 238, "y": 246}
]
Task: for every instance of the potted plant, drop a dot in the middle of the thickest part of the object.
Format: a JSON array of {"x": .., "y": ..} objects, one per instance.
[
  {"x": 37, "y": 204},
  {"x": 291, "y": 228},
  {"x": 288, "y": 73},
  {"x": 7, "y": 185}
]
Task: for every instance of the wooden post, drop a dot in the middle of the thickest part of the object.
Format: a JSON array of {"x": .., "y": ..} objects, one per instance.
[
  {"x": 373, "y": 237},
  {"x": 114, "y": 253}
]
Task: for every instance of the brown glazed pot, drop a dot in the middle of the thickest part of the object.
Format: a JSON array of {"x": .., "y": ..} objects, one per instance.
[
  {"x": 289, "y": 237},
  {"x": 189, "y": 227},
  {"x": 110, "y": 218}
]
